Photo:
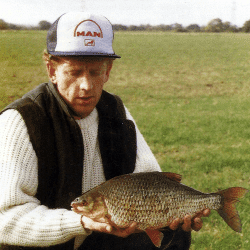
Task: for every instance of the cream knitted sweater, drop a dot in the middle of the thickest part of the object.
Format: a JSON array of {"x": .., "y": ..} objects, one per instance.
[{"x": 23, "y": 220}]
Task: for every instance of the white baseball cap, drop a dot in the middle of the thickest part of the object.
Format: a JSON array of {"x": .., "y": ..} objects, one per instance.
[{"x": 81, "y": 34}]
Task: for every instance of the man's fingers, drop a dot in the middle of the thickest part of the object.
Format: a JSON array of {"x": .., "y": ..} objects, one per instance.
[
  {"x": 197, "y": 224},
  {"x": 132, "y": 226},
  {"x": 126, "y": 231},
  {"x": 96, "y": 226},
  {"x": 89, "y": 224},
  {"x": 174, "y": 224},
  {"x": 206, "y": 212},
  {"x": 187, "y": 223},
  {"x": 197, "y": 221}
]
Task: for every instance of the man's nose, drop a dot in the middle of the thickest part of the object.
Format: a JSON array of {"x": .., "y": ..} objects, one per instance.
[{"x": 85, "y": 83}]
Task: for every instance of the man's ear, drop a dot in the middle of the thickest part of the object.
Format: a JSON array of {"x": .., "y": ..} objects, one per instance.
[
  {"x": 51, "y": 69},
  {"x": 109, "y": 67}
]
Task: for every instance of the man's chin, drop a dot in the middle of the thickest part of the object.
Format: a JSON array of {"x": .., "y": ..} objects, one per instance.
[{"x": 82, "y": 114}]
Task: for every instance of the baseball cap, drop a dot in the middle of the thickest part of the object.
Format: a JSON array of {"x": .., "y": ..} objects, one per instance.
[{"x": 81, "y": 34}]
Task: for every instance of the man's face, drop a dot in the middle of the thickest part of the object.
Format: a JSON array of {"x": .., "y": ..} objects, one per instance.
[{"x": 80, "y": 83}]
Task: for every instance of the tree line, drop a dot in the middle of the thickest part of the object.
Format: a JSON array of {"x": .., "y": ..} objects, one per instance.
[
  {"x": 215, "y": 25},
  {"x": 42, "y": 25}
]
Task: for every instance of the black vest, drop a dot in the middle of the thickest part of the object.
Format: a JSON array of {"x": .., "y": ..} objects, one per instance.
[{"x": 58, "y": 143}]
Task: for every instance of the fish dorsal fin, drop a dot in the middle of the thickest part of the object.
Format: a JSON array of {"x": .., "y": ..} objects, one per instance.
[
  {"x": 156, "y": 236},
  {"x": 173, "y": 176}
]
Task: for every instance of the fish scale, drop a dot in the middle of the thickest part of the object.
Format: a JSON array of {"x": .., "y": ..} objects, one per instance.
[{"x": 153, "y": 200}]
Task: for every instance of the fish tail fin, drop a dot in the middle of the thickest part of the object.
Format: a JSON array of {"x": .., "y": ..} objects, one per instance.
[{"x": 228, "y": 210}]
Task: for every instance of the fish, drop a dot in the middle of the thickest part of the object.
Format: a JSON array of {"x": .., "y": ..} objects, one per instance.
[{"x": 153, "y": 200}]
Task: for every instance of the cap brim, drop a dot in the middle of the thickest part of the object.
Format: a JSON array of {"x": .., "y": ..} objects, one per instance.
[{"x": 60, "y": 53}]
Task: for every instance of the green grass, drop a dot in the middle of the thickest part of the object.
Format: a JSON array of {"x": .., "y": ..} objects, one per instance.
[
  {"x": 21, "y": 65},
  {"x": 189, "y": 94}
]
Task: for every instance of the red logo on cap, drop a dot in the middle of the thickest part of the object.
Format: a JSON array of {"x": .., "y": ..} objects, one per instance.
[
  {"x": 88, "y": 33},
  {"x": 89, "y": 42}
]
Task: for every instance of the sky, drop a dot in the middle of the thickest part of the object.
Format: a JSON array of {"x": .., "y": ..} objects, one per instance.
[{"x": 129, "y": 12}]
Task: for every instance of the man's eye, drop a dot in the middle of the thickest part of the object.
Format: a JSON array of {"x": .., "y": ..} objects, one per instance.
[{"x": 75, "y": 72}]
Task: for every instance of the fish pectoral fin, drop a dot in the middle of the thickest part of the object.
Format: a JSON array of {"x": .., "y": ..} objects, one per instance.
[
  {"x": 155, "y": 235},
  {"x": 172, "y": 176}
]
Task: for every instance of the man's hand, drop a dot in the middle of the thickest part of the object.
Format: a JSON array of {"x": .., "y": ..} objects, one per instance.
[
  {"x": 105, "y": 227},
  {"x": 189, "y": 224}
]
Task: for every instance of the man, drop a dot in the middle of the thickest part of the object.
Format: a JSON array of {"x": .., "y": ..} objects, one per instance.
[{"x": 64, "y": 138}]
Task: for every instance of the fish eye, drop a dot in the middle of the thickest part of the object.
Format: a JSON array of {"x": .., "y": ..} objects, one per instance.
[
  {"x": 80, "y": 201},
  {"x": 77, "y": 200}
]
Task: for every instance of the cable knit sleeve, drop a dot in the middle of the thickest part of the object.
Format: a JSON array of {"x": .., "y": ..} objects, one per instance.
[
  {"x": 23, "y": 220},
  {"x": 145, "y": 160}
]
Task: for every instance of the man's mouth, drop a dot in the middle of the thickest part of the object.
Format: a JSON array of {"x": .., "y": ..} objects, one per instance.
[{"x": 85, "y": 99}]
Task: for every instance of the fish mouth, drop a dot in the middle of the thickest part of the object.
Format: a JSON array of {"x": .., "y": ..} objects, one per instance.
[
  {"x": 74, "y": 209},
  {"x": 73, "y": 204}
]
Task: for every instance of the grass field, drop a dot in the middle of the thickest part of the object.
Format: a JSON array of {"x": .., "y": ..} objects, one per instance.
[{"x": 190, "y": 96}]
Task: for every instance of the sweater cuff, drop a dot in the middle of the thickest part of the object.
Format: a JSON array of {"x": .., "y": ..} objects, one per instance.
[{"x": 71, "y": 224}]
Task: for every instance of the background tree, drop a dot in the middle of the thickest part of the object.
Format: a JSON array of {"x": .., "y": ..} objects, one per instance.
[
  {"x": 119, "y": 27},
  {"x": 215, "y": 25},
  {"x": 3, "y": 25},
  {"x": 44, "y": 25},
  {"x": 246, "y": 27},
  {"x": 132, "y": 28},
  {"x": 162, "y": 27},
  {"x": 228, "y": 27},
  {"x": 178, "y": 27},
  {"x": 193, "y": 28}
]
